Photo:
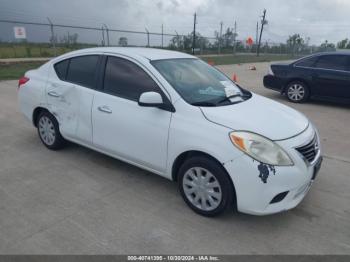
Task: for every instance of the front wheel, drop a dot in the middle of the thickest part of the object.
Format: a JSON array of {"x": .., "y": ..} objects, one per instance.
[
  {"x": 297, "y": 92},
  {"x": 205, "y": 186}
]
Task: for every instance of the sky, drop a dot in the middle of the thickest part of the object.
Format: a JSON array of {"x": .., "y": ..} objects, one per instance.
[{"x": 319, "y": 20}]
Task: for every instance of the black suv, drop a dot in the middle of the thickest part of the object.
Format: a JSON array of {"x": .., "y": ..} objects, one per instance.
[{"x": 322, "y": 76}]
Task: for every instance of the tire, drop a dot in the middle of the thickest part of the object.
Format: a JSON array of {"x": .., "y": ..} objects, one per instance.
[
  {"x": 297, "y": 92},
  {"x": 218, "y": 194},
  {"x": 48, "y": 131}
]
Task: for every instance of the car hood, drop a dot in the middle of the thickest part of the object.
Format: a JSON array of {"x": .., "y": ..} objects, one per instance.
[{"x": 259, "y": 115}]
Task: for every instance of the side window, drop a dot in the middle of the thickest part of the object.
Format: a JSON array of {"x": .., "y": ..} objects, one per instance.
[
  {"x": 307, "y": 62},
  {"x": 126, "y": 79},
  {"x": 61, "y": 69},
  {"x": 335, "y": 62},
  {"x": 82, "y": 70}
]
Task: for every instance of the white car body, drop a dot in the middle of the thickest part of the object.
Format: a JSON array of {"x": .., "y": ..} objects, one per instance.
[{"x": 155, "y": 139}]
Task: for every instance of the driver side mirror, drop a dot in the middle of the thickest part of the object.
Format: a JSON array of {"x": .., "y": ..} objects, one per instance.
[{"x": 150, "y": 99}]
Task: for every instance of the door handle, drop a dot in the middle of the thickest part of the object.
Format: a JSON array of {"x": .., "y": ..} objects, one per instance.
[
  {"x": 53, "y": 94},
  {"x": 105, "y": 109}
]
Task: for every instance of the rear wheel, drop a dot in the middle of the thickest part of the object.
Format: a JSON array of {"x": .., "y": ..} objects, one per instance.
[
  {"x": 48, "y": 130},
  {"x": 297, "y": 92},
  {"x": 205, "y": 186}
]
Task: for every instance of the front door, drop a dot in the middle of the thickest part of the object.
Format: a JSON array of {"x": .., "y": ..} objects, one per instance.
[{"x": 122, "y": 127}]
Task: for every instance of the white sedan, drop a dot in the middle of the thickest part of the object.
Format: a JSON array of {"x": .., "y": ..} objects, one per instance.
[{"x": 176, "y": 116}]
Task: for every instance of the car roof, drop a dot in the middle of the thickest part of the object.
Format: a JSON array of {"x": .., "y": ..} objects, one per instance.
[
  {"x": 148, "y": 53},
  {"x": 342, "y": 52},
  {"x": 329, "y": 53},
  {"x": 322, "y": 54}
]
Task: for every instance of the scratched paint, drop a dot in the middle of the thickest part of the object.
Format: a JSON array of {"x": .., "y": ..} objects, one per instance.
[{"x": 264, "y": 171}]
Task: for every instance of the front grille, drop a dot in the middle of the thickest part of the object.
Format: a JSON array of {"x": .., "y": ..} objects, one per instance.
[{"x": 310, "y": 150}]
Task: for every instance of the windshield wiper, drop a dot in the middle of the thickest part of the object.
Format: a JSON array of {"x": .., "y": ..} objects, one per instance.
[
  {"x": 228, "y": 98},
  {"x": 212, "y": 103},
  {"x": 203, "y": 103}
]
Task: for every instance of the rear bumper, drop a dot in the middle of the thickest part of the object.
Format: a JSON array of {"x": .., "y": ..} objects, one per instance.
[{"x": 273, "y": 82}]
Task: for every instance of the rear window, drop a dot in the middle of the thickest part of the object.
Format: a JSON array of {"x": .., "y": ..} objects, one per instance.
[
  {"x": 82, "y": 70},
  {"x": 307, "y": 62},
  {"x": 61, "y": 69},
  {"x": 334, "y": 62}
]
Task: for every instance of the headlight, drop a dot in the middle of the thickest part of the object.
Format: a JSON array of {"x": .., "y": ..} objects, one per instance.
[{"x": 260, "y": 148}]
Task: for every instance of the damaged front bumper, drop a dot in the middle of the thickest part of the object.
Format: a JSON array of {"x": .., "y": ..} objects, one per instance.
[{"x": 264, "y": 189}]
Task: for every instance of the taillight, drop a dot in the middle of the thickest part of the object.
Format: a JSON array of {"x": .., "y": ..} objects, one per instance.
[
  {"x": 22, "y": 81},
  {"x": 270, "y": 72}
]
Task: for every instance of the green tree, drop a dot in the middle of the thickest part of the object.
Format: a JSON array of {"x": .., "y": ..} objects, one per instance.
[
  {"x": 344, "y": 44},
  {"x": 227, "y": 39},
  {"x": 295, "y": 42},
  {"x": 177, "y": 42},
  {"x": 123, "y": 41},
  {"x": 326, "y": 46},
  {"x": 73, "y": 38},
  {"x": 67, "y": 40},
  {"x": 186, "y": 42}
]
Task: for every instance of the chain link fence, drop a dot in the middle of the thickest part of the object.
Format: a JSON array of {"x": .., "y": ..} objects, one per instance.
[{"x": 48, "y": 40}]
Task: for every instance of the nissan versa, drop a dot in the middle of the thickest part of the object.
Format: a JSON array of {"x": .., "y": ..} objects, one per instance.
[{"x": 176, "y": 116}]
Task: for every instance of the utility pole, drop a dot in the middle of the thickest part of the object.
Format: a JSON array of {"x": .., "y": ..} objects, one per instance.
[
  {"x": 263, "y": 21},
  {"x": 107, "y": 33},
  {"x": 162, "y": 36},
  {"x": 177, "y": 40},
  {"x": 53, "y": 38},
  {"x": 103, "y": 36},
  {"x": 235, "y": 36},
  {"x": 194, "y": 33},
  {"x": 147, "y": 37},
  {"x": 220, "y": 38},
  {"x": 257, "y": 32}
]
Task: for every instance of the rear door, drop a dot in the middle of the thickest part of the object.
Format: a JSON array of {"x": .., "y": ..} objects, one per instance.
[
  {"x": 332, "y": 76},
  {"x": 70, "y": 95}
]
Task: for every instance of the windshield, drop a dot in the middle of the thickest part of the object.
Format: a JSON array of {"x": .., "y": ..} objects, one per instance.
[{"x": 199, "y": 83}]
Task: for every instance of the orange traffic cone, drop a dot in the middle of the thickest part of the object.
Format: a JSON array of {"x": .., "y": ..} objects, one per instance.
[
  {"x": 234, "y": 77},
  {"x": 210, "y": 62}
]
